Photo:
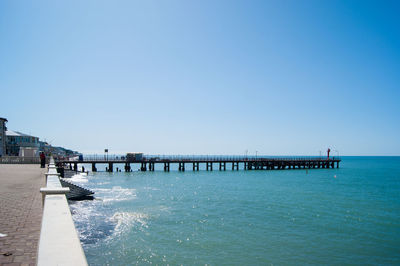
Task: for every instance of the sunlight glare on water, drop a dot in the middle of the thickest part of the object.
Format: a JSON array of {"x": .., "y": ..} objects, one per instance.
[{"x": 319, "y": 216}]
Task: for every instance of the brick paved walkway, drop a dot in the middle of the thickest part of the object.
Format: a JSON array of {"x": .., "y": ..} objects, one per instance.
[{"x": 20, "y": 212}]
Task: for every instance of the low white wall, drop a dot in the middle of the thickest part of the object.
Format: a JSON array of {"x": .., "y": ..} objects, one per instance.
[{"x": 59, "y": 242}]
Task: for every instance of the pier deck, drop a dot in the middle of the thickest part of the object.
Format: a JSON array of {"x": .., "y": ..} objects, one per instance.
[{"x": 236, "y": 162}]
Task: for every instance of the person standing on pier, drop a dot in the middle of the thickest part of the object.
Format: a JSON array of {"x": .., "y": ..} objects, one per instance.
[{"x": 42, "y": 160}]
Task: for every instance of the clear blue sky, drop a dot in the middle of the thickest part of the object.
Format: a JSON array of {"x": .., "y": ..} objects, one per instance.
[{"x": 204, "y": 77}]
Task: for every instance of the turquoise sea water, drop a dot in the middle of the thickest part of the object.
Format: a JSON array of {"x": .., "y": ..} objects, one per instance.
[{"x": 349, "y": 215}]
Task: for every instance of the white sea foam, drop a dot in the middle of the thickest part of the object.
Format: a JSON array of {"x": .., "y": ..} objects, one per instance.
[
  {"x": 82, "y": 211},
  {"x": 80, "y": 178},
  {"x": 126, "y": 220},
  {"x": 151, "y": 188},
  {"x": 103, "y": 183},
  {"x": 91, "y": 221},
  {"x": 116, "y": 193}
]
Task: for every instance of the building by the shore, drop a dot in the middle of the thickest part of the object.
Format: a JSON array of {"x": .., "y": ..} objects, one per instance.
[
  {"x": 3, "y": 130},
  {"x": 15, "y": 143},
  {"x": 20, "y": 144}
]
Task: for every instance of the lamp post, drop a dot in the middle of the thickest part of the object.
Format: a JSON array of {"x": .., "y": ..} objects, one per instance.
[{"x": 106, "y": 154}]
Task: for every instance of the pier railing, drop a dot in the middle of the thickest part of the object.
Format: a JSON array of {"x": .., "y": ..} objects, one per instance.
[
  {"x": 229, "y": 158},
  {"x": 200, "y": 158},
  {"x": 19, "y": 160}
]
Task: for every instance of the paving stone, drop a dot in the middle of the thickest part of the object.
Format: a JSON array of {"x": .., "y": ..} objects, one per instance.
[
  {"x": 20, "y": 212},
  {"x": 4, "y": 259}
]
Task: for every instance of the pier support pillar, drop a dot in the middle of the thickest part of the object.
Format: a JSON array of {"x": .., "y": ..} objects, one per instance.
[
  {"x": 94, "y": 169},
  {"x": 166, "y": 167},
  {"x": 337, "y": 164},
  {"x": 151, "y": 166},
  {"x": 181, "y": 167},
  {"x": 110, "y": 167},
  {"x": 209, "y": 166},
  {"x": 196, "y": 166},
  {"x": 75, "y": 167},
  {"x": 143, "y": 167},
  {"x": 127, "y": 167},
  {"x": 222, "y": 166},
  {"x": 235, "y": 165}
]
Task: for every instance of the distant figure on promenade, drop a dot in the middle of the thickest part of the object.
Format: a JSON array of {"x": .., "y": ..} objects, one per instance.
[{"x": 42, "y": 160}]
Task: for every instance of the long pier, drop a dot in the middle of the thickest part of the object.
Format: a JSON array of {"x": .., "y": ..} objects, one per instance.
[{"x": 147, "y": 163}]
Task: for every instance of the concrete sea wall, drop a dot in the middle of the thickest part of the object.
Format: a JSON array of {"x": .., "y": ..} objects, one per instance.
[{"x": 59, "y": 242}]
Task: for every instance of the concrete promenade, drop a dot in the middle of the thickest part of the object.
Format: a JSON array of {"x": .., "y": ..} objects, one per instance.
[{"x": 20, "y": 212}]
